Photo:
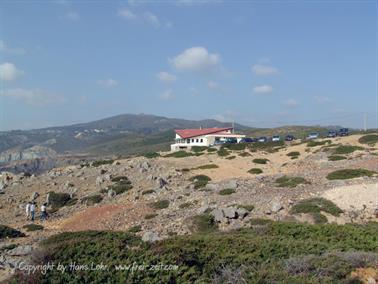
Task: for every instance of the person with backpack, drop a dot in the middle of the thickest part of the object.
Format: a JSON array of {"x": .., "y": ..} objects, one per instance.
[
  {"x": 44, "y": 212},
  {"x": 32, "y": 211}
]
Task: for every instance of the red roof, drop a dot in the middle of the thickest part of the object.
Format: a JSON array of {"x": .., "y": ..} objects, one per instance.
[{"x": 188, "y": 133}]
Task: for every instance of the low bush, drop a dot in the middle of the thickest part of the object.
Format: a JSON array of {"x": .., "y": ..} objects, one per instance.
[
  {"x": 293, "y": 154},
  {"x": 314, "y": 143},
  {"x": 368, "y": 139},
  {"x": 235, "y": 147},
  {"x": 71, "y": 202},
  {"x": 179, "y": 154},
  {"x": 222, "y": 152},
  {"x": 226, "y": 191},
  {"x": 249, "y": 208},
  {"x": 203, "y": 223},
  {"x": 244, "y": 154},
  {"x": 336, "y": 158},
  {"x": 151, "y": 155},
  {"x": 58, "y": 199},
  {"x": 287, "y": 181},
  {"x": 123, "y": 179},
  {"x": 197, "y": 149},
  {"x": 316, "y": 205},
  {"x": 319, "y": 218},
  {"x": 8, "y": 232},
  {"x": 135, "y": 229},
  {"x": 150, "y": 216},
  {"x": 346, "y": 149},
  {"x": 148, "y": 191},
  {"x": 102, "y": 162},
  {"x": 32, "y": 227},
  {"x": 185, "y": 205},
  {"x": 260, "y": 221},
  {"x": 121, "y": 187},
  {"x": 161, "y": 204},
  {"x": 349, "y": 174},
  {"x": 255, "y": 171},
  {"x": 200, "y": 181},
  {"x": 260, "y": 161},
  {"x": 92, "y": 199},
  {"x": 211, "y": 150},
  {"x": 206, "y": 167},
  {"x": 230, "y": 157}
]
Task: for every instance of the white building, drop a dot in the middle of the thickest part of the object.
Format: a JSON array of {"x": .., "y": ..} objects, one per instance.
[{"x": 187, "y": 138}]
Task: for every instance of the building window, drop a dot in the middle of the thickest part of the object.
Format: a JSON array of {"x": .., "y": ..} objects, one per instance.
[
  {"x": 197, "y": 140},
  {"x": 201, "y": 140},
  {"x": 188, "y": 141},
  {"x": 192, "y": 140}
]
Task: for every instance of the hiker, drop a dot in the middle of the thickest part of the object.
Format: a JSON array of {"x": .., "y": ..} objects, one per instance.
[
  {"x": 43, "y": 212},
  {"x": 27, "y": 209},
  {"x": 32, "y": 211}
]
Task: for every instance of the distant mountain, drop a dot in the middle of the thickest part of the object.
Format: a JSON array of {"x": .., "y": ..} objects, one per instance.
[{"x": 121, "y": 134}]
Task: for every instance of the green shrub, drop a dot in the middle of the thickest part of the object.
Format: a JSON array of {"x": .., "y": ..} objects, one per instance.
[
  {"x": 8, "y": 232},
  {"x": 368, "y": 139},
  {"x": 179, "y": 154},
  {"x": 222, "y": 152},
  {"x": 185, "y": 205},
  {"x": 151, "y": 155},
  {"x": 92, "y": 200},
  {"x": 71, "y": 202},
  {"x": 8, "y": 247},
  {"x": 260, "y": 161},
  {"x": 122, "y": 179},
  {"x": 135, "y": 229},
  {"x": 211, "y": 150},
  {"x": 260, "y": 221},
  {"x": 316, "y": 205},
  {"x": 226, "y": 191},
  {"x": 319, "y": 218},
  {"x": 32, "y": 227},
  {"x": 314, "y": 143},
  {"x": 197, "y": 149},
  {"x": 200, "y": 181},
  {"x": 287, "y": 181},
  {"x": 121, "y": 187},
  {"x": 161, "y": 204},
  {"x": 269, "y": 146},
  {"x": 231, "y": 157},
  {"x": 203, "y": 223},
  {"x": 249, "y": 208},
  {"x": 206, "y": 167},
  {"x": 255, "y": 171},
  {"x": 58, "y": 199},
  {"x": 235, "y": 147},
  {"x": 349, "y": 174},
  {"x": 244, "y": 154},
  {"x": 150, "y": 216},
  {"x": 148, "y": 191},
  {"x": 102, "y": 162},
  {"x": 336, "y": 158},
  {"x": 293, "y": 154},
  {"x": 346, "y": 149}
]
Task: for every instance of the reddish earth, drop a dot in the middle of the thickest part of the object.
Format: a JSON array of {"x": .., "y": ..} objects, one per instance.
[{"x": 107, "y": 217}]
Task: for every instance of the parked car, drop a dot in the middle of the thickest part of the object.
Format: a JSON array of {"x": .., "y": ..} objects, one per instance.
[
  {"x": 313, "y": 135},
  {"x": 344, "y": 132},
  {"x": 247, "y": 140},
  {"x": 231, "y": 140},
  {"x": 289, "y": 138},
  {"x": 262, "y": 139},
  {"x": 332, "y": 134},
  {"x": 218, "y": 142},
  {"x": 276, "y": 138}
]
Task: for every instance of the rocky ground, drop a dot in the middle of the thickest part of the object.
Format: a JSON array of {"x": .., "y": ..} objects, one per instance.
[{"x": 162, "y": 178}]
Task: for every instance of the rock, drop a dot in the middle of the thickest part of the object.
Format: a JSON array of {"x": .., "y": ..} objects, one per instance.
[
  {"x": 34, "y": 196},
  {"x": 230, "y": 213},
  {"x": 232, "y": 184},
  {"x": 202, "y": 209},
  {"x": 150, "y": 237},
  {"x": 108, "y": 177},
  {"x": 217, "y": 214},
  {"x": 20, "y": 250},
  {"x": 145, "y": 166},
  {"x": 3, "y": 185},
  {"x": 99, "y": 181},
  {"x": 111, "y": 193},
  {"x": 161, "y": 182},
  {"x": 242, "y": 213},
  {"x": 212, "y": 186},
  {"x": 275, "y": 207}
]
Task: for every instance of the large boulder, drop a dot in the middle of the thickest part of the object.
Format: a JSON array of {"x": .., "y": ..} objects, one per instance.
[
  {"x": 230, "y": 213},
  {"x": 231, "y": 184},
  {"x": 242, "y": 213},
  {"x": 150, "y": 237},
  {"x": 212, "y": 187},
  {"x": 217, "y": 214},
  {"x": 276, "y": 206}
]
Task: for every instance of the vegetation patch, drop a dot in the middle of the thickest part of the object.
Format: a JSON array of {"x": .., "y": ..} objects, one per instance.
[
  {"x": 210, "y": 150},
  {"x": 179, "y": 154},
  {"x": 260, "y": 221},
  {"x": 32, "y": 227},
  {"x": 151, "y": 155},
  {"x": 161, "y": 204},
  {"x": 58, "y": 199},
  {"x": 222, "y": 152},
  {"x": 369, "y": 139},
  {"x": 346, "y": 149},
  {"x": 280, "y": 253},
  {"x": 92, "y": 199},
  {"x": 206, "y": 167},
  {"x": 269, "y": 146},
  {"x": 8, "y": 232},
  {"x": 244, "y": 154},
  {"x": 260, "y": 161},
  {"x": 235, "y": 146},
  {"x": 123, "y": 179},
  {"x": 318, "y": 218},
  {"x": 255, "y": 171},
  {"x": 314, "y": 143},
  {"x": 249, "y": 208},
  {"x": 185, "y": 205},
  {"x": 293, "y": 154},
  {"x": 231, "y": 157},
  {"x": 336, "y": 158},
  {"x": 148, "y": 191},
  {"x": 135, "y": 229},
  {"x": 203, "y": 223},
  {"x": 287, "y": 181},
  {"x": 349, "y": 174},
  {"x": 226, "y": 191},
  {"x": 200, "y": 181},
  {"x": 197, "y": 149},
  {"x": 102, "y": 162},
  {"x": 316, "y": 205},
  {"x": 150, "y": 216}
]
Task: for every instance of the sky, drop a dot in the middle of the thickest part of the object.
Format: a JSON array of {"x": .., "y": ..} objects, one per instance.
[{"x": 258, "y": 63}]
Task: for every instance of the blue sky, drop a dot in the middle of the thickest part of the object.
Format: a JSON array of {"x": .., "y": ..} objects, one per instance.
[{"x": 261, "y": 63}]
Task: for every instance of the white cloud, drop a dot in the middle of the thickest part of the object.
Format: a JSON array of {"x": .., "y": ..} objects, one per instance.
[
  {"x": 166, "y": 77},
  {"x": 263, "y": 89},
  {"x": 35, "y": 97},
  {"x": 151, "y": 18},
  {"x": 196, "y": 59},
  {"x": 9, "y": 72},
  {"x": 291, "y": 103},
  {"x": 72, "y": 16},
  {"x": 322, "y": 99},
  {"x": 212, "y": 85},
  {"x": 127, "y": 14},
  {"x": 12, "y": 50},
  {"x": 264, "y": 70},
  {"x": 197, "y": 2},
  {"x": 167, "y": 95},
  {"x": 108, "y": 83}
]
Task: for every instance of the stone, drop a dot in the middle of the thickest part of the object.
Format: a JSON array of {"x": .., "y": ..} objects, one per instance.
[
  {"x": 111, "y": 193},
  {"x": 150, "y": 237},
  {"x": 217, "y": 214},
  {"x": 242, "y": 213},
  {"x": 108, "y": 177},
  {"x": 145, "y": 166},
  {"x": 99, "y": 180},
  {"x": 212, "y": 187},
  {"x": 232, "y": 184},
  {"x": 230, "y": 213},
  {"x": 202, "y": 209},
  {"x": 67, "y": 185},
  {"x": 34, "y": 196},
  {"x": 20, "y": 250},
  {"x": 3, "y": 185},
  {"x": 276, "y": 206}
]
